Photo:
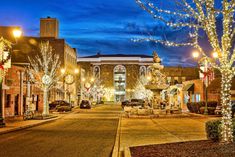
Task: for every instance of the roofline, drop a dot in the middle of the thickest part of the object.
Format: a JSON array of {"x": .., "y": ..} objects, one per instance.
[{"x": 101, "y": 59}]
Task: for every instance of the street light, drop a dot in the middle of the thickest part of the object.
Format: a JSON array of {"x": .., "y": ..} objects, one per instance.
[
  {"x": 5, "y": 47},
  {"x": 195, "y": 54},
  {"x": 17, "y": 33},
  {"x": 206, "y": 72},
  {"x": 215, "y": 55},
  {"x": 76, "y": 71},
  {"x": 68, "y": 79},
  {"x": 62, "y": 70}
]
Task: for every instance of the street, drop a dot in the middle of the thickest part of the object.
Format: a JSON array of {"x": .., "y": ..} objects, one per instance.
[{"x": 83, "y": 133}]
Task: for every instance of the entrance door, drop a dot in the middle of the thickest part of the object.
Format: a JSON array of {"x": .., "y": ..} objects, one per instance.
[
  {"x": 17, "y": 104},
  {"x": 37, "y": 102},
  {"x": 120, "y": 82}
]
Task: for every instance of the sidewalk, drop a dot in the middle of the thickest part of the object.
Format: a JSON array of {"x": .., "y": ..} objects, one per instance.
[
  {"x": 137, "y": 132},
  {"x": 14, "y": 125}
]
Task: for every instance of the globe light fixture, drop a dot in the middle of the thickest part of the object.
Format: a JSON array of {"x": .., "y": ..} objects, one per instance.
[
  {"x": 62, "y": 70},
  {"x": 215, "y": 55},
  {"x": 195, "y": 54},
  {"x": 17, "y": 33},
  {"x": 76, "y": 71}
]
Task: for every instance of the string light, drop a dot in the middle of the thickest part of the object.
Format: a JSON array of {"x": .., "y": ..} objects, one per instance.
[{"x": 204, "y": 15}]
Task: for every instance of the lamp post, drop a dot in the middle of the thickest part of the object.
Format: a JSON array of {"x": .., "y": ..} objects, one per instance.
[
  {"x": 69, "y": 79},
  {"x": 5, "y": 57},
  {"x": 206, "y": 72}
]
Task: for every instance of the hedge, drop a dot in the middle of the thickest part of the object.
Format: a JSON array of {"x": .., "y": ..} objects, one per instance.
[
  {"x": 195, "y": 107},
  {"x": 211, "y": 110},
  {"x": 213, "y": 130}
]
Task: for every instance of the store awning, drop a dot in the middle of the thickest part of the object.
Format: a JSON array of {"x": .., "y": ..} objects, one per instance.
[
  {"x": 173, "y": 91},
  {"x": 189, "y": 87}
]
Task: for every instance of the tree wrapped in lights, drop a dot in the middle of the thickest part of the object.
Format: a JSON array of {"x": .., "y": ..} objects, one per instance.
[
  {"x": 205, "y": 16},
  {"x": 44, "y": 68},
  {"x": 140, "y": 92},
  {"x": 108, "y": 93}
]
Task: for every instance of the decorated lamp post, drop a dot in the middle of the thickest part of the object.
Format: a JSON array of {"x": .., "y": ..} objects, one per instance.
[
  {"x": 69, "y": 79},
  {"x": 5, "y": 63},
  {"x": 206, "y": 73}
]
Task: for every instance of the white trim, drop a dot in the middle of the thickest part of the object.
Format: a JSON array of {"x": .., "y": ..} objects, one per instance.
[
  {"x": 101, "y": 59},
  {"x": 118, "y": 62}
]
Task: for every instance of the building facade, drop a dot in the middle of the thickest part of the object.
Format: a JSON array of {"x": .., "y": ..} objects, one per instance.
[
  {"x": 26, "y": 47},
  {"x": 120, "y": 72}
]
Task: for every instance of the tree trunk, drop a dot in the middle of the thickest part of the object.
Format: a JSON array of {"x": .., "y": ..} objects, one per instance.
[
  {"x": 227, "y": 126},
  {"x": 45, "y": 102}
]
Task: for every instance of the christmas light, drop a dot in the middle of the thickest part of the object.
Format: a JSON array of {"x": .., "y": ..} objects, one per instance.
[
  {"x": 44, "y": 68},
  {"x": 203, "y": 15}
]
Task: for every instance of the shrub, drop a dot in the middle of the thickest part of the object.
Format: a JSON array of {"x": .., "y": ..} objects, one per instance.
[
  {"x": 63, "y": 108},
  {"x": 211, "y": 110},
  {"x": 213, "y": 130},
  {"x": 196, "y": 107},
  {"x": 212, "y": 104}
]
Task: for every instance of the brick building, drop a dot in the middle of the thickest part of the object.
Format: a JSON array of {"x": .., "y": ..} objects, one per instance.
[
  {"x": 26, "y": 47},
  {"x": 121, "y": 72},
  {"x": 15, "y": 92}
]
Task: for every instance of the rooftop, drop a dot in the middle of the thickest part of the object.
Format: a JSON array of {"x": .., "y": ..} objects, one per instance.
[{"x": 117, "y": 55}]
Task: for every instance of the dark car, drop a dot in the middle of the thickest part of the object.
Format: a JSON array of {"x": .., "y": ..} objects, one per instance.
[
  {"x": 133, "y": 102},
  {"x": 125, "y": 103},
  {"x": 59, "y": 103},
  {"x": 85, "y": 104}
]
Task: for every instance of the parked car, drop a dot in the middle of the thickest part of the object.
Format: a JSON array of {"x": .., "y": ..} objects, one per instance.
[
  {"x": 59, "y": 103},
  {"x": 124, "y": 103},
  {"x": 218, "y": 109},
  {"x": 133, "y": 102},
  {"x": 85, "y": 104}
]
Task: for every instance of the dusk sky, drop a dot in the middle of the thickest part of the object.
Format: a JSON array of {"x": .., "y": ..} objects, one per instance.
[{"x": 91, "y": 26}]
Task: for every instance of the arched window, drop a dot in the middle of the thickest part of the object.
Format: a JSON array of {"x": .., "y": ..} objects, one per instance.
[
  {"x": 149, "y": 71},
  {"x": 142, "y": 71},
  {"x": 96, "y": 72},
  {"x": 119, "y": 72}
]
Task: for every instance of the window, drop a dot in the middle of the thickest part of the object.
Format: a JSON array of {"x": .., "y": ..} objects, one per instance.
[
  {"x": 197, "y": 97},
  {"x": 142, "y": 71},
  {"x": 96, "y": 72},
  {"x": 119, "y": 82},
  {"x": 8, "y": 100}
]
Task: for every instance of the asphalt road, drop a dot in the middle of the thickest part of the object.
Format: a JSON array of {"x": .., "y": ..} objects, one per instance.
[{"x": 86, "y": 133}]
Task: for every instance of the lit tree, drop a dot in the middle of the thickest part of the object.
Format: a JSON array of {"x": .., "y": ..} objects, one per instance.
[
  {"x": 205, "y": 16},
  {"x": 97, "y": 90},
  {"x": 44, "y": 69},
  {"x": 140, "y": 92},
  {"x": 108, "y": 93}
]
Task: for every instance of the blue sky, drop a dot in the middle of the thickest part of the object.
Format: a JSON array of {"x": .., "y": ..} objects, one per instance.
[{"x": 92, "y": 26}]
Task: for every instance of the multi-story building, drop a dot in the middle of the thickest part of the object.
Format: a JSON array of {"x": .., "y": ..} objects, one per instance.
[
  {"x": 26, "y": 47},
  {"x": 121, "y": 72}
]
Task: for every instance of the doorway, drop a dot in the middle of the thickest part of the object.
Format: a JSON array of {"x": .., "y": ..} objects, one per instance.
[{"x": 17, "y": 105}]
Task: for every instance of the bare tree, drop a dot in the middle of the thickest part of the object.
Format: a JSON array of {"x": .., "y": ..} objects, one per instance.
[
  {"x": 44, "y": 69},
  {"x": 204, "y": 16}
]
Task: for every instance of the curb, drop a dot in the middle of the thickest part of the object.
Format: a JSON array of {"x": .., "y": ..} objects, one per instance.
[
  {"x": 29, "y": 126},
  {"x": 116, "y": 147},
  {"x": 127, "y": 152}
]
